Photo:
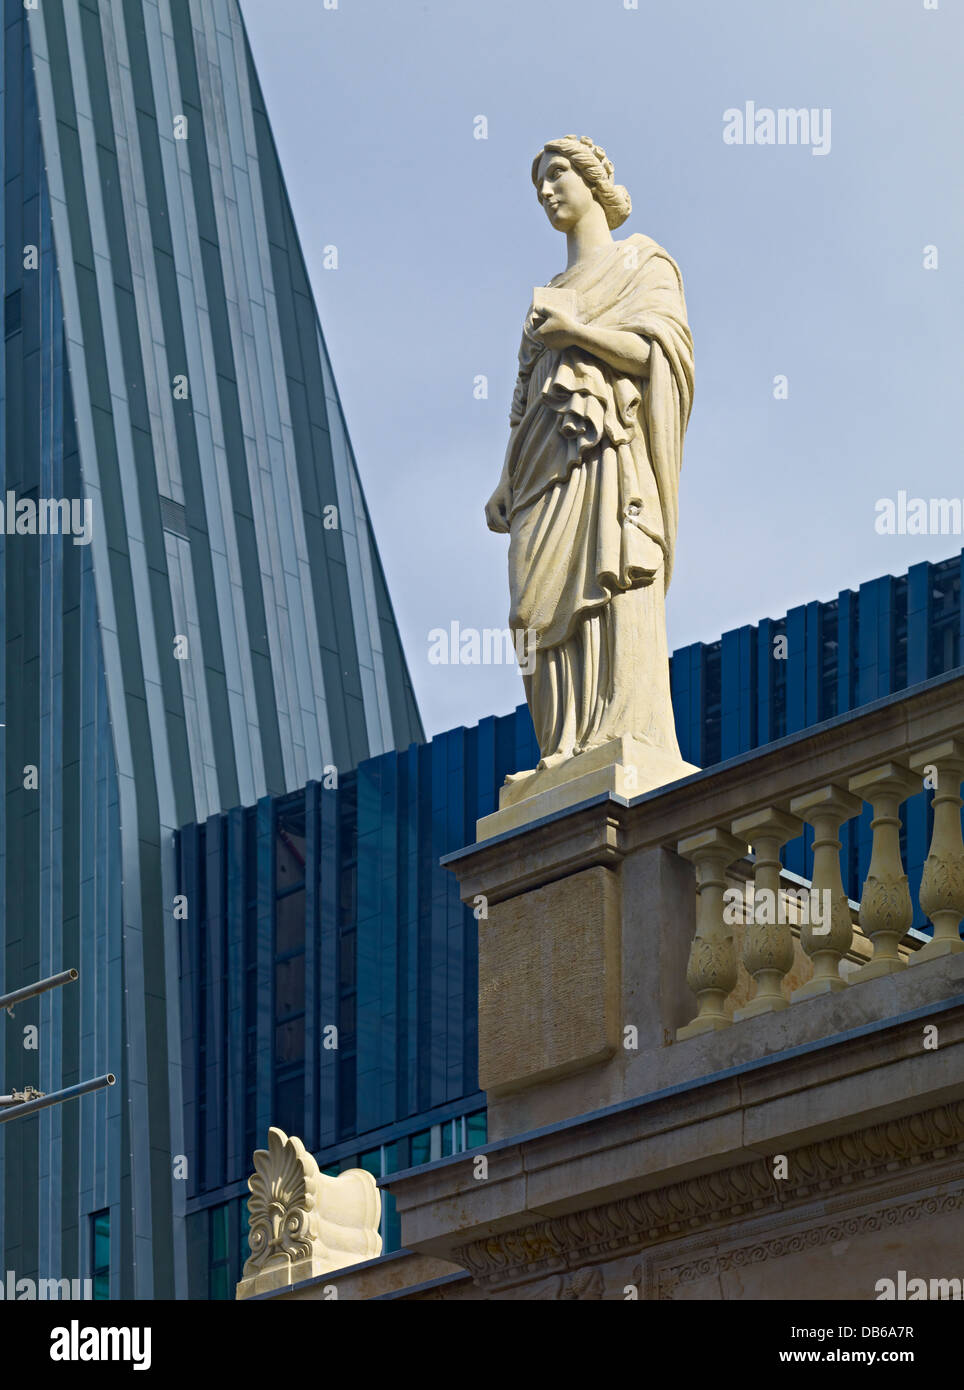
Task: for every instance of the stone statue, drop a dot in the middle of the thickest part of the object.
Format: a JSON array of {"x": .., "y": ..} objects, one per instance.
[
  {"x": 302, "y": 1222},
  {"x": 589, "y": 488}
]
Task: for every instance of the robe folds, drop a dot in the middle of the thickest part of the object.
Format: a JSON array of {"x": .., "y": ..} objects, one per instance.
[{"x": 593, "y": 468}]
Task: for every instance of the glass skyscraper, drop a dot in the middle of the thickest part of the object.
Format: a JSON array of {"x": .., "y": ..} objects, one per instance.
[{"x": 218, "y": 633}]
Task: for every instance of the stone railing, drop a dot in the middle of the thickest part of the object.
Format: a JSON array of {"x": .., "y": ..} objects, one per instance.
[
  {"x": 922, "y": 748},
  {"x": 599, "y": 923}
]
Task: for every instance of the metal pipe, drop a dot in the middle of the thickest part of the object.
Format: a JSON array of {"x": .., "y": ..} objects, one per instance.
[
  {"x": 17, "y": 997},
  {"x": 82, "y": 1088},
  {"x": 19, "y": 1097}
]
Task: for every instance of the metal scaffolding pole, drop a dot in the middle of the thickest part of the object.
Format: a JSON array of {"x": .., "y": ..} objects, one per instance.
[
  {"x": 65, "y": 977},
  {"x": 82, "y": 1088},
  {"x": 29, "y": 1100}
]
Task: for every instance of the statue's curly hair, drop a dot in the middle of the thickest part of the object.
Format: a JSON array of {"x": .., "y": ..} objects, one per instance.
[{"x": 596, "y": 171}]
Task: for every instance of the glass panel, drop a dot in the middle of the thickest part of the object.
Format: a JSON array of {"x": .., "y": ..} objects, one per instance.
[
  {"x": 290, "y": 849},
  {"x": 372, "y": 1162},
  {"x": 290, "y": 917},
  {"x": 219, "y": 1234},
  {"x": 446, "y": 1138},
  {"x": 421, "y": 1147},
  {"x": 102, "y": 1240},
  {"x": 476, "y": 1129},
  {"x": 100, "y": 1254},
  {"x": 289, "y": 1102},
  {"x": 289, "y": 986},
  {"x": 289, "y": 1041},
  {"x": 346, "y": 1096},
  {"x": 346, "y": 1018},
  {"x": 347, "y": 960},
  {"x": 391, "y": 1225}
]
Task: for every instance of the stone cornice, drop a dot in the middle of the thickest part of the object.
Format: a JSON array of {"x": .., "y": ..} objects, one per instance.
[{"x": 748, "y": 1190}]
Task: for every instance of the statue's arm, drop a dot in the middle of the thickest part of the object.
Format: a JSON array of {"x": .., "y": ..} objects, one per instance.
[
  {"x": 625, "y": 352},
  {"x": 497, "y": 507},
  {"x": 622, "y": 350}
]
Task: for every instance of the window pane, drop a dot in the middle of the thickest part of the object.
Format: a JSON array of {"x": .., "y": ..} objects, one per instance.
[
  {"x": 391, "y": 1225},
  {"x": 290, "y": 846},
  {"x": 100, "y": 1254},
  {"x": 421, "y": 1147},
  {"x": 346, "y": 1019},
  {"x": 289, "y": 1102},
  {"x": 102, "y": 1240},
  {"x": 219, "y": 1234},
  {"x": 372, "y": 1162},
  {"x": 476, "y": 1128},
  {"x": 289, "y": 986},
  {"x": 289, "y": 1041},
  {"x": 290, "y": 929},
  {"x": 446, "y": 1138},
  {"x": 347, "y": 960}
]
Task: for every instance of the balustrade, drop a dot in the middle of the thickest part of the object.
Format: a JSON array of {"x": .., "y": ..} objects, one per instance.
[{"x": 826, "y": 936}]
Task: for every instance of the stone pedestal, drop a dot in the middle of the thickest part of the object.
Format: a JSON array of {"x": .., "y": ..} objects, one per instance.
[
  {"x": 549, "y": 998},
  {"x": 575, "y": 975},
  {"x": 627, "y": 766}
]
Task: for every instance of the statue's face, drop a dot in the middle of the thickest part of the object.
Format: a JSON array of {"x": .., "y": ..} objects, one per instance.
[{"x": 562, "y": 192}]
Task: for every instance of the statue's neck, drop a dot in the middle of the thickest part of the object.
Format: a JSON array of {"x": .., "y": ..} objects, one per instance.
[{"x": 589, "y": 236}]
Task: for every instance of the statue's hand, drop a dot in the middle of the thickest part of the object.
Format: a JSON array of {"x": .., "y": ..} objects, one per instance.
[
  {"x": 497, "y": 509},
  {"x": 556, "y": 329}
]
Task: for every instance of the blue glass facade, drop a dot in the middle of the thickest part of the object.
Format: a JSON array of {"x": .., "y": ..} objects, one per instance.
[
  {"x": 223, "y": 634},
  {"x": 329, "y": 907},
  {"x": 329, "y": 974}
]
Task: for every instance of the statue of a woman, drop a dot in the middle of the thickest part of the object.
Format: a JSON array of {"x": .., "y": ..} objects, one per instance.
[{"x": 588, "y": 493}]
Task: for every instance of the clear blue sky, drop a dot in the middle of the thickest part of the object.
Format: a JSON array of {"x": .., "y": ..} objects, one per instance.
[{"x": 793, "y": 264}]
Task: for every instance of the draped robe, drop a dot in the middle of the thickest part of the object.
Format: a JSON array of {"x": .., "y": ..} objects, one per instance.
[{"x": 593, "y": 469}]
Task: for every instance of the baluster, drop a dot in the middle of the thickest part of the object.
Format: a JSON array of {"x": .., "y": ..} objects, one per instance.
[
  {"x": 767, "y": 946},
  {"x": 942, "y": 885},
  {"x": 825, "y": 943},
  {"x": 711, "y": 972},
  {"x": 886, "y": 910}
]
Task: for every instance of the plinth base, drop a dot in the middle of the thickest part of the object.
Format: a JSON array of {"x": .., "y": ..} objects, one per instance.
[
  {"x": 626, "y": 766},
  {"x": 876, "y": 970},
  {"x": 943, "y": 946}
]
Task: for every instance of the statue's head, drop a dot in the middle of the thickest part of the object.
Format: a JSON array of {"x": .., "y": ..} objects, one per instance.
[{"x": 570, "y": 175}]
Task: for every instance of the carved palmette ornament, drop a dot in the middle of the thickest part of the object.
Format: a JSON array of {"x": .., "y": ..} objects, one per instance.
[{"x": 298, "y": 1213}]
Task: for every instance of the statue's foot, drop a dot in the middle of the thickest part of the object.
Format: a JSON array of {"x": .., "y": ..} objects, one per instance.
[
  {"x": 553, "y": 760},
  {"x": 517, "y": 776}
]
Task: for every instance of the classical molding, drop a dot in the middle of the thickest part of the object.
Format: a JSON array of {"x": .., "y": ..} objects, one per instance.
[
  {"x": 673, "y": 1277},
  {"x": 713, "y": 1200}
]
